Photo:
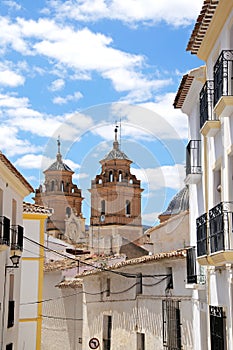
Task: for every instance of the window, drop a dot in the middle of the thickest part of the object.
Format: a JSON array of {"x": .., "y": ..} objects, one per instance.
[
  {"x": 171, "y": 324},
  {"x": 62, "y": 186},
  {"x": 14, "y": 211},
  {"x": 68, "y": 212},
  {"x": 140, "y": 341},
  {"x": 9, "y": 346},
  {"x": 127, "y": 207},
  {"x": 107, "y": 332},
  {"x": 191, "y": 265},
  {"x": 108, "y": 282},
  {"x": 4, "y": 230},
  {"x": 170, "y": 278},
  {"x": 11, "y": 303},
  {"x": 103, "y": 207},
  {"x": 139, "y": 284},
  {"x": 52, "y": 185},
  {"x": 111, "y": 178},
  {"x": 217, "y": 328},
  {"x": 120, "y": 176}
]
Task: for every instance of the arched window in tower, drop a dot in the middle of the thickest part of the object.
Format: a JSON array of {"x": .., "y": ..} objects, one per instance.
[
  {"x": 127, "y": 207},
  {"x": 111, "y": 178},
  {"x": 103, "y": 207},
  {"x": 68, "y": 212},
  {"x": 62, "y": 186},
  {"x": 120, "y": 176},
  {"x": 52, "y": 185}
]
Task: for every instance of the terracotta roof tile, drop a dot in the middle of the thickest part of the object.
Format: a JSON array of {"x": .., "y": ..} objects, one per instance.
[
  {"x": 180, "y": 254},
  {"x": 202, "y": 24},
  {"x": 183, "y": 90},
  {"x": 34, "y": 208}
]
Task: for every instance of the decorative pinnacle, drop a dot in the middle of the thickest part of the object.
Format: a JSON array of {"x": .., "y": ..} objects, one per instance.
[
  {"x": 59, "y": 156},
  {"x": 116, "y": 143}
]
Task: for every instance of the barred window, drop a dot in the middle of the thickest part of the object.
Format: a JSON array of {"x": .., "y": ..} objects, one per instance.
[
  {"x": 171, "y": 324},
  {"x": 217, "y": 328}
]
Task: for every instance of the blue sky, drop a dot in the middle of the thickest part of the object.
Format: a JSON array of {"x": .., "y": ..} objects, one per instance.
[{"x": 76, "y": 67}]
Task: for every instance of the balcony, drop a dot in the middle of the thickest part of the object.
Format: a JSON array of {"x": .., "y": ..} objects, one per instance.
[
  {"x": 209, "y": 122},
  {"x": 215, "y": 243},
  {"x": 17, "y": 237},
  {"x": 4, "y": 230},
  {"x": 201, "y": 226},
  {"x": 223, "y": 84},
  {"x": 193, "y": 162}
]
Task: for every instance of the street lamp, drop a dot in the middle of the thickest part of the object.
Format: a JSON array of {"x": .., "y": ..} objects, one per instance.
[{"x": 15, "y": 261}]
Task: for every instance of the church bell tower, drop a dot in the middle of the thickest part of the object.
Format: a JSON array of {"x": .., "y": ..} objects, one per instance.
[
  {"x": 62, "y": 195},
  {"x": 115, "y": 203}
]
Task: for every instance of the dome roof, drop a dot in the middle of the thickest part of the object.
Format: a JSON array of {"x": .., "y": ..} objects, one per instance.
[
  {"x": 59, "y": 164},
  {"x": 178, "y": 204},
  {"x": 115, "y": 153}
]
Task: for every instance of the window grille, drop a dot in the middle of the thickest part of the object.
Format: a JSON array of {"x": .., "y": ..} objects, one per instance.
[
  {"x": 191, "y": 265},
  {"x": 217, "y": 328},
  {"x": 171, "y": 324},
  {"x": 201, "y": 225}
]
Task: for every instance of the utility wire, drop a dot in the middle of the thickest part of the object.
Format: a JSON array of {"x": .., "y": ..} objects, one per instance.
[
  {"x": 98, "y": 293},
  {"x": 125, "y": 274}
]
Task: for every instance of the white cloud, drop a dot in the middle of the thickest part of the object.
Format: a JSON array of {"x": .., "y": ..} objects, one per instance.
[
  {"x": 63, "y": 100},
  {"x": 139, "y": 86},
  {"x": 8, "y": 101},
  {"x": 150, "y": 218},
  {"x": 39, "y": 161},
  {"x": 10, "y": 78},
  {"x": 12, "y": 4},
  {"x": 167, "y": 176},
  {"x": 11, "y": 144},
  {"x": 163, "y": 105},
  {"x": 176, "y": 13},
  {"x": 158, "y": 119},
  {"x": 57, "y": 85}
]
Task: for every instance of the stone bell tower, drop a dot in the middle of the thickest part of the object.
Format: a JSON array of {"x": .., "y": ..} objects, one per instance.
[
  {"x": 115, "y": 203},
  {"x": 63, "y": 196}
]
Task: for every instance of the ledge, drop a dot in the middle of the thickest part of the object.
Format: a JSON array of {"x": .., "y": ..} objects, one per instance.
[
  {"x": 210, "y": 128},
  {"x": 224, "y": 107}
]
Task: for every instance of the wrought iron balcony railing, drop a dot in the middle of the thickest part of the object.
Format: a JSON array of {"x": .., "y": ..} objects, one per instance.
[
  {"x": 4, "y": 230},
  {"x": 223, "y": 75},
  {"x": 17, "y": 237},
  {"x": 220, "y": 227},
  {"x": 206, "y": 102},
  {"x": 201, "y": 225},
  {"x": 193, "y": 157}
]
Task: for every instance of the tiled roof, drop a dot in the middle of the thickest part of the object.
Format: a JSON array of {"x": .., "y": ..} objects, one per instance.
[
  {"x": 178, "y": 254},
  {"x": 183, "y": 90},
  {"x": 59, "y": 265},
  {"x": 34, "y": 208},
  {"x": 202, "y": 25},
  {"x": 12, "y": 168},
  {"x": 179, "y": 203},
  {"x": 72, "y": 283}
]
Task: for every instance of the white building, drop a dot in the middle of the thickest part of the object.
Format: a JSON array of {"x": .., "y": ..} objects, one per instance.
[
  {"x": 30, "y": 326},
  {"x": 146, "y": 302},
  {"x": 13, "y": 188},
  {"x": 206, "y": 96}
]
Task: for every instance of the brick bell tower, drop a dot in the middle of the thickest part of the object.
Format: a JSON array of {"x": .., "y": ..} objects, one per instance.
[
  {"x": 61, "y": 194},
  {"x": 115, "y": 203}
]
